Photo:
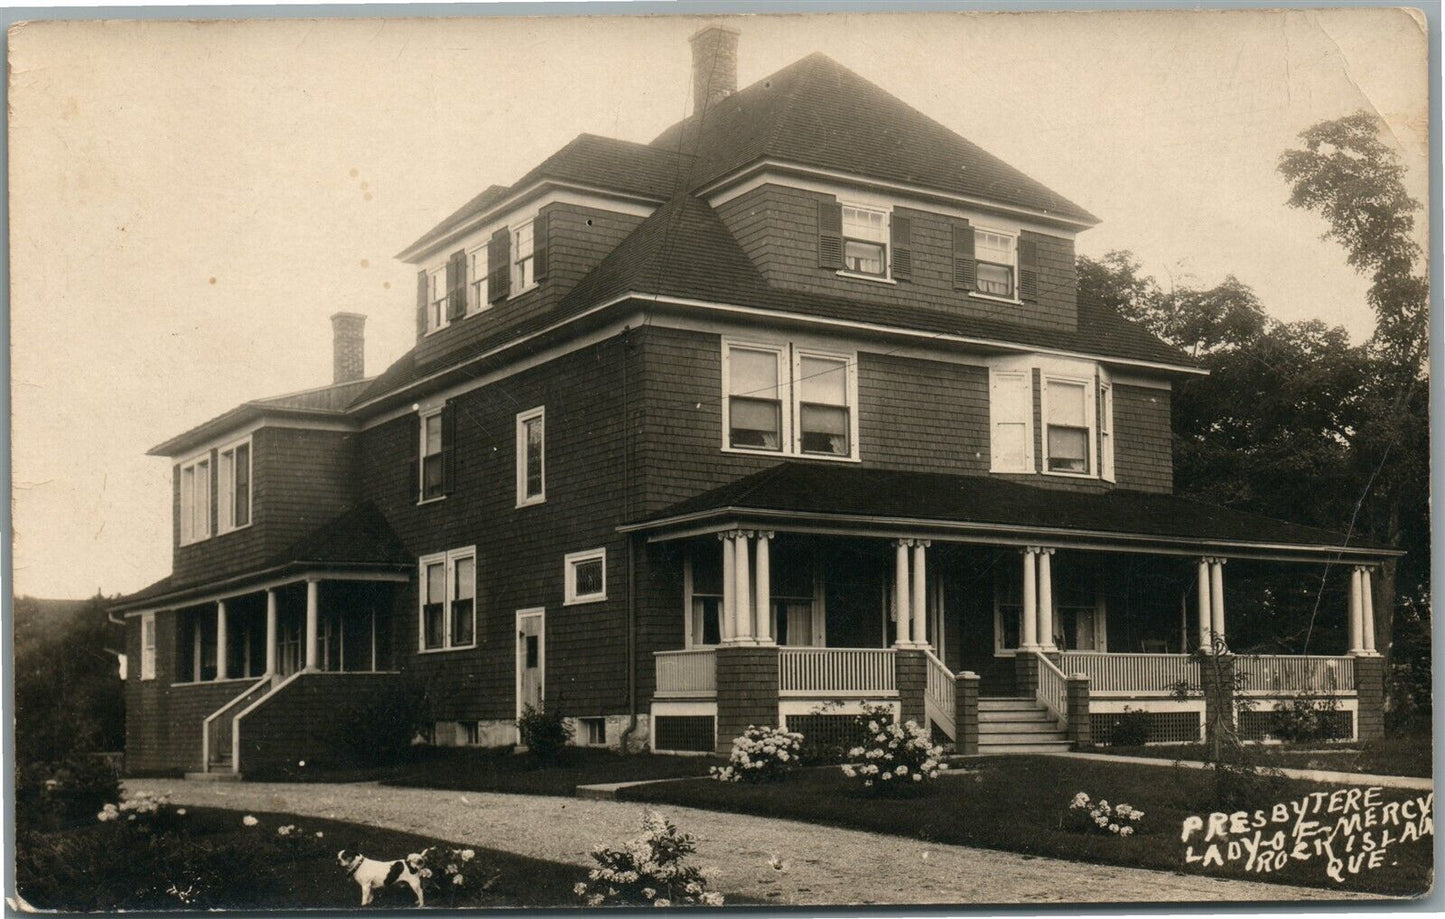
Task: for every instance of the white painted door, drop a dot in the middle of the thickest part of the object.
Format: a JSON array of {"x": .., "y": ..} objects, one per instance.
[{"x": 531, "y": 658}]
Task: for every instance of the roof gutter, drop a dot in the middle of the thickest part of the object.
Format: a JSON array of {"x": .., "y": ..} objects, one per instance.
[{"x": 263, "y": 579}]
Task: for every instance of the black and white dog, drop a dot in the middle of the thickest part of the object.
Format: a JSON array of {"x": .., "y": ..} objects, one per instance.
[{"x": 372, "y": 875}]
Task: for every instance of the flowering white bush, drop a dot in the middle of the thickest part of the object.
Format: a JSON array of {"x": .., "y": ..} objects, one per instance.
[
  {"x": 895, "y": 758},
  {"x": 652, "y": 868},
  {"x": 761, "y": 755},
  {"x": 144, "y": 804},
  {"x": 446, "y": 872},
  {"x": 1103, "y": 817}
]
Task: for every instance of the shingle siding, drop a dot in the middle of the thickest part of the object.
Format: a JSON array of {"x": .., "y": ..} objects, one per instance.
[
  {"x": 1143, "y": 458},
  {"x": 778, "y": 228}
]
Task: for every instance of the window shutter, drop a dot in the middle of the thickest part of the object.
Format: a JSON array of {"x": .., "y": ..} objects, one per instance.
[
  {"x": 901, "y": 238},
  {"x": 965, "y": 267},
  {"x": 457, "y": 285},
  {"x": 1028, "y": 268},
  {"x": 830, "y": 234},
  {"x": 539, "y": 246},
  {"x": 449, "y": 447},
  {"x": 420, "y": 303},
  {"x": 499, "y": 262},
  {"x": 1010, "y": 406}
]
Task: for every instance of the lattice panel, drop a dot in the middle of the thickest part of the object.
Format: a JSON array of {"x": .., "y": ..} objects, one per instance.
[
  {"x": 1164, "y": 727},
  {"x": 826, "y": 736},
  {"x": 1260, "y": 724},
  {"x": 684, "y": 733}
]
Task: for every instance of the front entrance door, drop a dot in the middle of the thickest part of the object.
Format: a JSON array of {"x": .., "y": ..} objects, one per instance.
[{"x": 531, "y": 658}]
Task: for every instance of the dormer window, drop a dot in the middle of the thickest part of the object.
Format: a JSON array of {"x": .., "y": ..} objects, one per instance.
[
  {"x": 477, "y": 279},
  {"x": 233, "y": 501},
  {"x": 997, "y": 261},
  {"x": 437, "y": 298},
  {"x": 524, "y": 274},
  {"x": 196, "y": 500},
  {"x": 865, "y": 241}
]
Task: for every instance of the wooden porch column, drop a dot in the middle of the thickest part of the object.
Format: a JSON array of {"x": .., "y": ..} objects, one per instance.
[
  {"x": 763, "y": 582},
  {"x": 1205, "y": 641},
  {"x": 1046, "y": 600},
  {"x": 313, "y": 618},
  {"x": 221, "y": 639},
  {"x": 728, "y": 625},
  {"x": 744, "y": 587},
  {"x": 902, "y": 608},
  {"x": 197, "y": 647},
  {"x": 1367, "y": 595},
  {"x": 1030, "y": 638},
  {"x": 1216, "y": 598},
  {"x": 1357, "y": 612},
  {"x": 919, "y": 596},
  {"x": 271, "y": 632}
]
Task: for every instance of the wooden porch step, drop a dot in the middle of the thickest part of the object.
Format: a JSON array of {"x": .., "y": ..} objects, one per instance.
[
  {"x": 1038, "y": 727},
  {"x": 986, "y": 749},
  {"x": 1007, "y": 715},
  {"x": 1008, "y": 705}
]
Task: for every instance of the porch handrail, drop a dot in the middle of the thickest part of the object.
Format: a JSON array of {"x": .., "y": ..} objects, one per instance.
[
  {"x": 1052, "y": 692},
  {"x": 940, "y": 697},
  {"x": 216, "y": 729},
  {"x": 855, "y": 672},
  {"x": 688, "y": 673},
  {"x": 1133, "y": 674},
  {"x": 1296, "y": 673}
]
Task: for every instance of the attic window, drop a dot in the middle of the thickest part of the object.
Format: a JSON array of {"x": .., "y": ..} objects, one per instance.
[
  {"x": 437, "y": 298},
  {"x": 477, "y": 279},
  {"x": 996, "y": 262},
  {"x": 865, "y": 241},
  {"x": 524, "y": 274}
]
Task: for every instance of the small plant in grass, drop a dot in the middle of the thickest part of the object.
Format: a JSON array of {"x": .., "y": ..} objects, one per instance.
[
  {"x": 448, "y": 873},
  {"x": 544, "y": 733},
  {"x": 1130, "y": 728},
  {"x": 51, "y": 796},
  {"x": 761, "y": 754},
  {"x": 895, "y": 758},
  {"x": 650, "y": 870},
  {"x": 1087, "y": 816}
]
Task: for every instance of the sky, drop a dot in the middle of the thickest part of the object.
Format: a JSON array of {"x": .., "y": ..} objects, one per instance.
[{"x": 192, "y": 200}]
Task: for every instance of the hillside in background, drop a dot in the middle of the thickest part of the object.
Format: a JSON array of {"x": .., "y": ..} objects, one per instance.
[{"x": 68, "y": 693}]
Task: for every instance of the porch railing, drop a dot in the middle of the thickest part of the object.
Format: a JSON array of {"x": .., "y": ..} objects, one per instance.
[
  {"x": 1052, "y": 692},
  {"x": 686, "y": 674},
  {"x": 940, "y": 696},
  {"x": 1296, "y": 673},
  {"x": 1132, "y": 674},
  {"x": 217, "y": 728},
  {"x": 853, "y": 672}
]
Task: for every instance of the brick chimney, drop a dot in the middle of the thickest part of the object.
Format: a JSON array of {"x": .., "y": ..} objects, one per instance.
[
  {"x": 348, "y": 347},
  {"x": 714, "y": 66}
]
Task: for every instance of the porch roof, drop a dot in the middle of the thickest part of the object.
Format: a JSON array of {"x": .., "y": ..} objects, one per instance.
[
  {"x": 359, "y": 542},
  {"x": 834, "y": 498}
]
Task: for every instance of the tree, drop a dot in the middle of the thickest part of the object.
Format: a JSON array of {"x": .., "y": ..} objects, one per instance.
[{"x": 1345, "y": 173}]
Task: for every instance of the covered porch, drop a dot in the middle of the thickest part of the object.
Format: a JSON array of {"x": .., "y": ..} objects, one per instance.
[{"x": 935, "y": 617}]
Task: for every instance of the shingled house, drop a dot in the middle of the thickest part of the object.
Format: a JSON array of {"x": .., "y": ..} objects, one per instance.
[{"x": 795, "y": 407}]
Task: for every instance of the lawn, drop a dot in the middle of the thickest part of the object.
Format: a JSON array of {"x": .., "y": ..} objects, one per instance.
[
  {"x": 500, "y": 769},
  {"x": 95, "y": 867},
  {"x": 1405, "y": 753},
  {"x": 1018, "y": 804}
]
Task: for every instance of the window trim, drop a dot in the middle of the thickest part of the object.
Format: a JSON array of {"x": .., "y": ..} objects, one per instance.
[
  {"x": 442, "y": 320},
  {"x": 538, "y": 414},
  {"x": 148, "y": 652},
  {"x": 225, "y": 492},
  {"x": 789, "y": 357},
  {"x": 1013, "y": 237},
  {"x": 422, "y": 418},
  {"x": 448, "y": 560},
  {"x": 1091, "y": 420},
  {"x": 477, "y": 301},
  {"x": 569, "y": 576},
  {"x": 182, "y": 467},
  {"x": 514, "y": 270}
]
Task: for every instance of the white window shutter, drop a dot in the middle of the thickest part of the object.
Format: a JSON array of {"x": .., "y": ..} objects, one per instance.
[{"x": 1010, "y": 407}]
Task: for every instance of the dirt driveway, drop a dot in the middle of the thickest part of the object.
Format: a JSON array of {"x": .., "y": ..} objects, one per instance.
[{"x": 818, "y": 865}]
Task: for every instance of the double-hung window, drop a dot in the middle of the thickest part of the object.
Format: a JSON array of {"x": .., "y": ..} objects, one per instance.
[
  {"x": 233, "y": 495},
  {"x": 148, "y": 646},
  {"x": 523, "y": 261},
  {"x": 448, "y": 600},
  {"x": 865, "y": 241},
  {"x": 477, "y": 279},
  {"x": 531, "y": 457},
  {"x": 437, "y": 298},
  {"x": 433, "y": 479},
  {"x": 195, "y": 500},
  {"x": 585, "y": 575},
  {"x": 1068, "y": 426},
  {"x": 997, "y": 261},
  {"x": 824, "y": 420},
  {"x": 755, "y": 404}
]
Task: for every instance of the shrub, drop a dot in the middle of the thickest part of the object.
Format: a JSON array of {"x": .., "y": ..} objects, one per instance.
[
  {"x": 52, "y": 796},
  {"x": 896, "y": 758},
  {"x": 1086, "y": 816},
  {"x": 447, "y": 873},
  {"x": 761, "y": 755},
  {"x": 545, "y": 734},
  {"x": 650, "y": 870},
  {"x": 1305, "y": 718},
  {"x": 378, "y": 729},
  {"x": 1130, "y": 728}
]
